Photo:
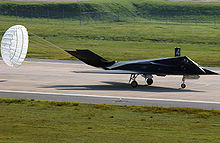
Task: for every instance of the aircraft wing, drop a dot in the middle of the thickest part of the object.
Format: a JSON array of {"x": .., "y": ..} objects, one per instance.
[{"x": 165, "y": 66}]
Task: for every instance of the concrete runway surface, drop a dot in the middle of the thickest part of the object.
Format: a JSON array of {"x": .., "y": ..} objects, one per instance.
[{"x": 53, "y": 80}]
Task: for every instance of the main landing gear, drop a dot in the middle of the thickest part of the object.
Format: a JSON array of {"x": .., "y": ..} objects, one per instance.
[
  {"x": 149, "y": 81},
  {"x": 133, "y": 81},
  {"x": 134, "y": 84}
]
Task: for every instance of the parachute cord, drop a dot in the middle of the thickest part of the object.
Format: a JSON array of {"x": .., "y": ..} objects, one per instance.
[{"x": 50, "y": 43}]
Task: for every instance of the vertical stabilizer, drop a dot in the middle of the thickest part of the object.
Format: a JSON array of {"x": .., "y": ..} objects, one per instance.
[{"x": 91, "y": 58}]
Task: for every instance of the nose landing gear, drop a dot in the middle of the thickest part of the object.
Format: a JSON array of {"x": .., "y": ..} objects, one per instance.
[{"x": 183, "y": 85}]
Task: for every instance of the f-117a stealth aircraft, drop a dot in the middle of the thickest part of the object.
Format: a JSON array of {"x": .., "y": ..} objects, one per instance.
[{"x": 146, "y": 68}]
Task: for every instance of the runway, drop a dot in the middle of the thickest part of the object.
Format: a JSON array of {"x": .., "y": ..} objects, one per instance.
[{"x": 53, "y": 80}]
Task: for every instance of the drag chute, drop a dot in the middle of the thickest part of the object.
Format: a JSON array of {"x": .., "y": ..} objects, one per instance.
[{"x": 14, "y": 45}]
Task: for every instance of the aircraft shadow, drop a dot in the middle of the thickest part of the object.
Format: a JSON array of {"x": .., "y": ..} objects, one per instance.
[
  {"x": 117, "y": 86},
  {"x": 3, "y": 80}
]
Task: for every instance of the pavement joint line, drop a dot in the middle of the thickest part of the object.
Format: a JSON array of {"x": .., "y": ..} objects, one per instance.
[{"x": 104, "y": 96}]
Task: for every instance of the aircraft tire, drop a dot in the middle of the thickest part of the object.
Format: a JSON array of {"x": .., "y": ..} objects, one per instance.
[
  {"x": 134, "y": 84},
  {"x": 150, "y": 81},
  {"x": 183, "y": 85}
]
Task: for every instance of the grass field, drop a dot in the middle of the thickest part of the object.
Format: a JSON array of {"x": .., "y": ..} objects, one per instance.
[
  {"x": 126, "y": 8},
  {"x": 132, "y": 40},
  {"x": 45, "y": 121},
  {"x": 121, "y": 40}
]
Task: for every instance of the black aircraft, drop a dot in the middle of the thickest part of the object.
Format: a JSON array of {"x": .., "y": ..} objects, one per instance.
[{"x": 146, "y": 68}]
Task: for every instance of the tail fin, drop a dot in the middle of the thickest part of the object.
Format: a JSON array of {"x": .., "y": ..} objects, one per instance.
[{"x": 90, "y": 58}]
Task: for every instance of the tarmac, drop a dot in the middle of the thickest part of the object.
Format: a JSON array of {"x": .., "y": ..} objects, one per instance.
[{"x": 54, "y": 80}]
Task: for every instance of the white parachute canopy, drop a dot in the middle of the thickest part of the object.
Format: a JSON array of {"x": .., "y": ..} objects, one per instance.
[{"x": 14, "y": 45}]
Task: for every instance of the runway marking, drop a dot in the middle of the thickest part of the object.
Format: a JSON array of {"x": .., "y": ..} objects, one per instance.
[
  {"x": 104, "y": 96},
  {"x": 54, "y": 62},
  {"x": 43, "y": 61}
]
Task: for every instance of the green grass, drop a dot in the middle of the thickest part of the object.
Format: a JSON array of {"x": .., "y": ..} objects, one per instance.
[
  {"x": 121, "y": 40},
  {"x": 49, "y": 121},
  {"x": 151, "y": 29},
  {"x": 117, "y": 10},
  {"x": 126, "y": 8}
]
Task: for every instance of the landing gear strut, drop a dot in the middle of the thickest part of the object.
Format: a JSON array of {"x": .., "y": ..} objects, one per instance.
[
  {"x": 149, "y": 80},
  {"x": 134, "y": 83}
]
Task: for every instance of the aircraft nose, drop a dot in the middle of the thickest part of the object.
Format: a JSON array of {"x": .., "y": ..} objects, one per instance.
[{"x": 209, "y": 72}]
